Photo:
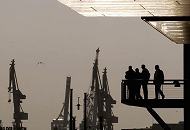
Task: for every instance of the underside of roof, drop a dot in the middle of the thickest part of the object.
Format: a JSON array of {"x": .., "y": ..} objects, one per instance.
[{"x": 169, "y": 17}]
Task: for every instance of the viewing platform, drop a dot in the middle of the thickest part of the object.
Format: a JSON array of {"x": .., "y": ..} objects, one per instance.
[{"x": 171, "y": 88}]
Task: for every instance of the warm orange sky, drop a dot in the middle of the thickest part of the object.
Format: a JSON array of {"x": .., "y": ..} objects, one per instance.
[{"x": 47, "y": 31}]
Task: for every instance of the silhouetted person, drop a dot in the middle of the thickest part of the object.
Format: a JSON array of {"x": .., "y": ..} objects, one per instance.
[
  {"x": 138, "y": 84},
  {"x": 158, "y": 81},
  {"x": 145, "y": 77},
  {"x": 55, "y": 128},
  {"x": 130, "y": 75}
]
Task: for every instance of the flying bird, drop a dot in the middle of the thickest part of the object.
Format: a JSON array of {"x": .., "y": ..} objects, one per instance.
[{"x": 40, "y": 62}]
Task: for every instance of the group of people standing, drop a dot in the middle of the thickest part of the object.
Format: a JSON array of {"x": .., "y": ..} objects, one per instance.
[{"x": 136, "y": 79}]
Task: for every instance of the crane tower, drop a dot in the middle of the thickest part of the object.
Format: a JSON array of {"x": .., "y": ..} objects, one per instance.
[
  {"x": 13, "y": 89},
  {"x": 61, "y": 122},
  {"x": 99, "y": 115}
]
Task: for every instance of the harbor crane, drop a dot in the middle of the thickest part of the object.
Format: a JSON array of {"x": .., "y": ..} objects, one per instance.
[
  {"x": 62, "y": 121},
  {"x": 99, "y": 115},
  {"x": 13, "y": 89}
]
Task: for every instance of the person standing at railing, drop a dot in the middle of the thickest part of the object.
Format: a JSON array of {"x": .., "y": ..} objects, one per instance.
[
  {"x": 130, "y": 75},
  {"x": 145, "y": 77},
  {"x": 158, "y": 81},
  {"x": 138, "y": 84}
]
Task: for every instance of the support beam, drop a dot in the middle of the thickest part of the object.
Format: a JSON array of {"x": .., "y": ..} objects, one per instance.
[
  {"x": 158, "y": 118},
  {"x": 85, "y": 98},
  {"x": 166, "y": 18}
]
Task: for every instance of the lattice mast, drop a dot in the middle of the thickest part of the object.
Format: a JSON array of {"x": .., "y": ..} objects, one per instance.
[
  {"x": 99, "y": 101},
  {"x": 93, "y": 105},
  {"x": 108, "y": 102}
]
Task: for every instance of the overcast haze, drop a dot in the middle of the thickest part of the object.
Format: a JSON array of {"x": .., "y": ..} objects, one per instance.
[{"x": 45, "y": 30}]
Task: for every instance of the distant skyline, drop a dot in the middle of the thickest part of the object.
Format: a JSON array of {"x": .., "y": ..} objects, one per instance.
[{"x": 47, "y": 31}]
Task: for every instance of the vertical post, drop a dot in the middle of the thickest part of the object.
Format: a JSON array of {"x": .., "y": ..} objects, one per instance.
[
  {"x": 186, "y": 90},
  {"x": 101, "y": 122},
  {"x": 71, "y": 110},
  {"x": 85, "y": 98},
  {"x": 78, "y": 105},
  {"x": 74, "y": 123},
  {"x": 123, "y": 91},
  {"x": 1, "y": 124}
]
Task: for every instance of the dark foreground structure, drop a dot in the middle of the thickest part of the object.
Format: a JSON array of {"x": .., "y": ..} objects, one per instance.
[
  {"x": 178, "y": 126},
  {"x": 150, "y": 103}
]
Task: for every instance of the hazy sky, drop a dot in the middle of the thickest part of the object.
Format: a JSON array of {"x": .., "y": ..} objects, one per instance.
[{"x": 47, "y": 31}]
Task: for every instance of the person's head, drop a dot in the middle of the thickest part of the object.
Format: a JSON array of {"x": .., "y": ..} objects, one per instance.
[
  {"x": 130, "y": 67},
  {"x": 143, "y": 66},
  {"x": 157, "y": 67},
  {"x": 136, "y": 70}
]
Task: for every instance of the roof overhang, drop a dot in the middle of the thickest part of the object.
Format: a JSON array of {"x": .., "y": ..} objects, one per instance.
[
  {"x": 170, "y": 17},
  {"x": 176, "y": 28}
]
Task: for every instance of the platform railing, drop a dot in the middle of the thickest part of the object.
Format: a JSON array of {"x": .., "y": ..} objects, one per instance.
[{"x": 172, "y": 88}]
